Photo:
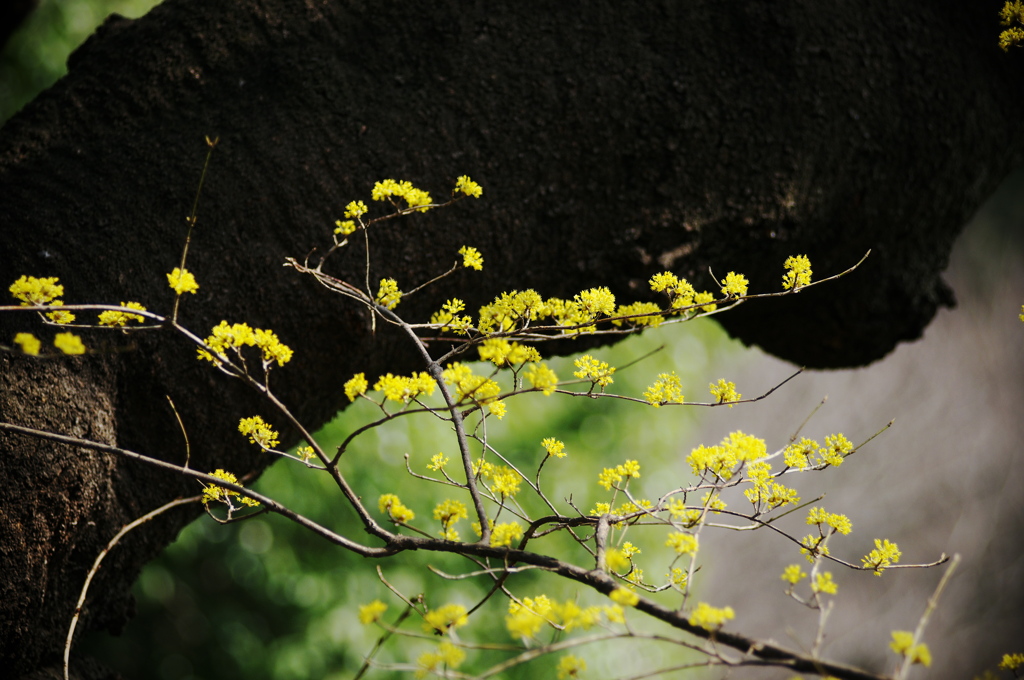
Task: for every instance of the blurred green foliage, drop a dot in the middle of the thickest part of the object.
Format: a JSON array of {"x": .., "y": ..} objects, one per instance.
[{"x": 36, "y": 55}]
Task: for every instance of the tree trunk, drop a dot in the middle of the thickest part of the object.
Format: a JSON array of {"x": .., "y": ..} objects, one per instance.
[{"x": 612, "y": 141}]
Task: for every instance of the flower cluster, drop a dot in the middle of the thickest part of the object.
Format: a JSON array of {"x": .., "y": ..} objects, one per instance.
[
  {"x": 903, "y": 644},
  {"x": 808, "y": 453},
  {"x": 448, "y": 513},
  {"x": 528, "y": 616},
  {"x": 724, "y": 392},
  {"x": 722, "y": 460},
  {"x": 503, "y": 534},
  {"x": 356, "y": 386},
  {"x": 501, "y": 352},
  {"x": 415, "y": 198},
  {"x": 666, "y": 390},
  {"x": 710, "y": 618},
  {"x": 598, "y": 372},
  {"x": 684, "y": 544},
  {"x": 401, "y": 388},
  {"x": 615, "y": 475},
  {"x": 553, "y": 447},
  {"x": 680, "y": 292},
  {"x": 468, "y": 187},
  {"x": 641, "y": 314},
  {"x": 182, "y": 281},
  {"x": 390, "y": 504},
  {"x": 734, "y": 285},
  {"x": 766, "y": 494},
  {"x": 448, "y": 318},
  {"x": 477, "y": 388},
  {"x": 542, "y": 378},
  {"x": 471, "y": 258},
  {"x": 503, "y": 480},
  {"x": 445, "y": 618},
  {"x": 213, "y": 493},
  {"x": 119, "y": 319},
  {"x": 388, "y": 295},
  {"x": 884, "y": 555},
  {"x": 259, "y": 432},
  {"x": 798, "y": 272},
  {"x": 819, "y": 516},
  {"x": 42, "y": 292},
  {"x": 234, "y": 337},
  {"x": 1012, "y": 12},
  {"x": 371, "y": 613}
]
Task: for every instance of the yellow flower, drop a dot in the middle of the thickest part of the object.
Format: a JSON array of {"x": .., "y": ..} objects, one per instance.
[
  {"x": 390, "y": 504},
  {"x": 793, "y": 574},
  {"x": 724, "y": 392},
  {"x": 468, "y": 186},
  {"x": 598, "y": 372},
  {"x": 1011, "y": 662},
  {"x": 570, "y": 667},
  {"x": 114, "y": 318},
  {"x": 69, "y": 343},
  {"x": 355, "y": 209},
  {"x": 734, "y": 285},
  {"x": 444, "y": 618},
  {"x": 798, "y": 272},
  {"x": 438, "y": 462},
  {"x": 388, "y": 294},
  {"x": 33, "y": 291},
  {"x": 666, "y": 390},
  {"x": 182, "y": 281},
  {"x": 416, "y": 198},
  {"x": 503, "y": 534},
  {"x": 356, "y": 386},
  {"x": 710, "y": 618},
  {"x": 684, "y": 544},
  {"x": 471, "y": 258},
  {"x": 30, "y": 344},
  {"x": 344, "y": 227},
  {"x": 258, "y": 432},
  {"x": 448, "y": 513},
  {"x": 61, "y": 316},
  {"x": 370, "y": 613},
  {"x": 212, "y": 492},
  {"x": 903, "y": 644},
  {"x": 884, "y": 555},
  {"x": 554, "y": 447},
  {"x": 447, "y": 655},
  {"x": 542, "y": 378},
  {"x": 823, "y": 583},
  {"x": 625, "y": 597}
]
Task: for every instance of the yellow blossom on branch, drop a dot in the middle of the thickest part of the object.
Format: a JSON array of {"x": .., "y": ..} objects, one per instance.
[
  {"x": 370, "y": 613},
  {"x": 29, "y": 343},
  {"x": 258, "y": 432},
  {"x": 684, "y": 544},
  {"x": 823, "y": 583},
  {"x": 390, "y": 504},
  {"x": 355, "y": 209},
  {"x": 798, "y": 272},
  {"x": 212, "y": 492},
  {"x": 182, "y": 281},
  {"x": 388, "y": 294},
  {"x": 115, "y": 318},
  {"x": 724, "y": 392},
  {"x": 734, "y": 285},
  {"x": 502, "y": 535},
  {"x": 542, "y": 378},
  {"x": 69, "y": 343},
  {"x": 61, "y": 316},
  {"x": 666, "y": 390},
  {"x": 903, "y": 644},
  {"x": 468, "y": 187},
  {"x": 356, "y": 386},
  {"x": 448, "y": 655},
  {"x": 710, "y": 618},
  {"x": 437, "y": 462},
  {"x": 625, "y": 597},
  {"x": 570, "y": 667},
  {"x": 471, "y": 258},
  {"x": 884, "y": 555},
  {"x": 554, "y": 447},
  {"x": 445, "y": 618},
  {"x": 344, "y": 227},
  {"x": 598, "y": 372},
  {"x": 415, "y": 198},
  {"x": 33, "y": 291},
  {"x": 793, "y": 574}
]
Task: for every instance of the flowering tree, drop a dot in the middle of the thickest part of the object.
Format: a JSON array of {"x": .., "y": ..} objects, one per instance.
[{"x": 371, "y": 84}]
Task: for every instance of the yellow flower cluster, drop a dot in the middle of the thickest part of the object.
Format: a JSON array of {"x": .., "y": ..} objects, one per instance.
[
  {"x": 666, "y": 390},
  {"x": 720, "y": 460},
  {"x": 813, "y": 546},
  {"x": 516, "y": 309},
  {"x": 570, "y": 667},
  {"x": 554, "y": 447},
  {"x": 903, "y": 644},
  {"x": 401, "y": 388},
  {"x": 502, "y": 535},
  {"x": 390, "y": 504},
  {"x": 684, "y": 544},
  {"x": 1012, "y": 12},
  {"x": 501, "y": 352},
  {"x": 710, "y": 618},
  {"x": 234, "y": 337},
  {"x": 598, "y": 372},
  {"x": 437, "y": 462},
  {"x": 644, "y": 313},
  {"x": 884, "y": 555},
  {"x": 388, "y": 294},
  {"x": 445, "y": 618},
  {"x": 734, "y": 285},
  {"x": 724, "y": 392},
  {"x": 114, "y": 318},
  {"x": 624, "y": 597},
  {"x": 766, "y": 494},
  {"x": 819, "y": 516},
  {"x": 823, "y": 583},
  {"x": 471, "y": 258},
  {"x": 371, "y": 613},
  {"x": 468, "y": 187},
  {"x": 258, "y": 432},
  {"x": 503, "y": 480},
  {"x": 415, "y": 198},
  {"x": 808, "y": 453},
  {"x": 448, "y": 513},
  {"x": 690, "y": 516},
  {"x": 69, "y": 343},
  {"x": 615, "y": 475},
  {"x": 39, "y": 292},
  {"x": 356, "y": 386},
  {"x": 542, "y": 378},
  {"x": 213, "y": 493},
  {"x": 1011, "y": 662},
  {"x": 478, "y": 388},
  {"x": 447, "y": 318},
  {"x": 526, "y": 619},
  {"x": 182, "y": 281},
  {"x": 448, "y": 655},
  {"x": 798, "y": 272},
  {"x": 680, "y": 293},
  {"x": 355, "y": 209},
  {"x": 793, "y": 574},
  {"x": 33, "y": 291},
  {"x": 344, "y": 227},
  {"x": 29, "y": 343}
]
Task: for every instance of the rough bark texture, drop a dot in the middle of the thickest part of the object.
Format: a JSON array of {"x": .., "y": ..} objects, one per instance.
[{"x": 612, "y": 142}]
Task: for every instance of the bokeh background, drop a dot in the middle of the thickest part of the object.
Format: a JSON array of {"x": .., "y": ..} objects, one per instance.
[{"x": 265, "y": 600}]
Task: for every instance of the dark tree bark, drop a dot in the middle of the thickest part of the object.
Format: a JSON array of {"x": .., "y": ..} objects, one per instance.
[{"x": 614, "y": 140}]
